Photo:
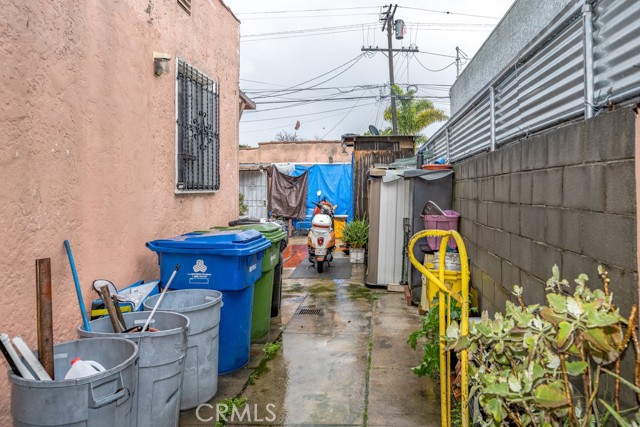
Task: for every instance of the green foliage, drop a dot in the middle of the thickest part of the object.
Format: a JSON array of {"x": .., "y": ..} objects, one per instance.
[
  {"x": 356, "y": 233},
  {"x": 414, "y": 115},
  {"x": 429, "y": 334},
  {"x": 271, "y": 350},
  {"x": 524, "y": 363},
  {"x": 243, "y": 208},
  {"x": 229, "y": 404}
]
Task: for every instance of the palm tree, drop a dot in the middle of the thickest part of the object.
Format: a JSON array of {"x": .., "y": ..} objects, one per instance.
[{"x": 413, "y": 115}]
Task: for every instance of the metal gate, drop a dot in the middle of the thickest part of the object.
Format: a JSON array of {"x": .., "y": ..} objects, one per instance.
[{"x": 253, "y": 184}]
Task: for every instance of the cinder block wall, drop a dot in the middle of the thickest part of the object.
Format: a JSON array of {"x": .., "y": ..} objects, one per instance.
[{"x": 565, "y": 197}]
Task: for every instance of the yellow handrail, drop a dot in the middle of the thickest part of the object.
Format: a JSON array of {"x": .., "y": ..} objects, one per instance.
[{"x": 444, "y": 299}]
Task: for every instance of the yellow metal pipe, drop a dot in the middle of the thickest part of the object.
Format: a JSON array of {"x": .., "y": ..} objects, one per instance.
[{"x": 444, "y": 299}]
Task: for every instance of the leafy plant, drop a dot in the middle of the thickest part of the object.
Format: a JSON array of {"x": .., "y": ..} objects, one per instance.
[
  {"x": 526, "y": 364},
  {"x": 271, "y": 350},
  {"x": 243, "y": 208},
  {"x": 229, "y": 405},
  {"x": 356, "y": 233},
  {"x": 430, "y": 336}
]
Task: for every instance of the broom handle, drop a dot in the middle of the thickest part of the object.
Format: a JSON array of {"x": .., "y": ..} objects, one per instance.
[{"x": 155, "y": 307}]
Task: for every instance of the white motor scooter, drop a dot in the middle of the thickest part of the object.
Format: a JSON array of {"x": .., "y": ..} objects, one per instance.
[{"x": 321, "y": 240}]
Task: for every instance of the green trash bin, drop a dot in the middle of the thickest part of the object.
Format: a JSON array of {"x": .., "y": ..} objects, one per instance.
[{"x": 264, "y": 288}]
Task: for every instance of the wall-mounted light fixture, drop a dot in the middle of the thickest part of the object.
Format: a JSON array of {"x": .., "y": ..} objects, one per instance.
[
  {"x": 161, "y": 63},
  {"x": 344, "y": 148},
  {"x": 330, "y": 159}
]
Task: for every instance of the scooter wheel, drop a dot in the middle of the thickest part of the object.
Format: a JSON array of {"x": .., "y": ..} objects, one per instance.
[{"x": 320, "y": 266}]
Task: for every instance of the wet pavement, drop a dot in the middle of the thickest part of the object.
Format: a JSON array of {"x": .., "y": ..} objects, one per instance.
[{"x": 343, "y": 361}]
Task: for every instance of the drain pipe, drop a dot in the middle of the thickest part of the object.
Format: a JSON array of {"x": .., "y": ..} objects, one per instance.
[
  {"x": 492, "y": 112},
  {"x": 587, "y": 24}
]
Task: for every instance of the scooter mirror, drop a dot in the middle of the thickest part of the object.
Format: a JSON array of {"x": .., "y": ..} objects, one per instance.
[{"x": 319, "y": 193}]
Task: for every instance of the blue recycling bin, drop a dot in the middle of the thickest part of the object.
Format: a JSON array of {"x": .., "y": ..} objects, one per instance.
[{"x": 227, "y": 261}]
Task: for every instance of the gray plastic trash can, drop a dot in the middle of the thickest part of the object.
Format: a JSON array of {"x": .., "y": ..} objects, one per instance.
[
  {"x": 202, "y": 306},
  {"x": 160, "y": 366},
  {"x": 101, "y": 400}
]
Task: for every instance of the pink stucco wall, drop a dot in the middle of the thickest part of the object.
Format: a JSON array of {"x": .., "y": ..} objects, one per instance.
[
  {"x": 87, "y": 147},
  {"x": 296, "y": 152}
]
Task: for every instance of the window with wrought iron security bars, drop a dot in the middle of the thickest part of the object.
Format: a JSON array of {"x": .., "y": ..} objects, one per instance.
[{"x": 198, "y": 142}]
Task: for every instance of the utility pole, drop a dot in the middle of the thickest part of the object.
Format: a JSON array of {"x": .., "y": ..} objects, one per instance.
[
  {"x": 389, "y": 24},
  {"x": 457, "y": 62},
  {"x": 388, "y": 21}
]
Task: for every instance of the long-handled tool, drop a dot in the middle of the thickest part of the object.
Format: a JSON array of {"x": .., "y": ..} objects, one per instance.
[
  {"x": 83, "y": 312},
  {"x": 155, "y": 307},
  {"x": 108, "y": 303}
]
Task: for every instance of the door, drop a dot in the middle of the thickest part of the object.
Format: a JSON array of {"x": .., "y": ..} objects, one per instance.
[{"x": 253, "y": 184}]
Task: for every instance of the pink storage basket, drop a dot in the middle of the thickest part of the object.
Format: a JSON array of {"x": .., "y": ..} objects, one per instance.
[{"x": 436, "y": 219}]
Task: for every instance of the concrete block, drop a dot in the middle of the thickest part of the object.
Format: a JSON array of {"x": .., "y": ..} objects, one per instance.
[
  {"x": 461, "y": 170},
  {"x": 476, "y": 276},
  {"x": 526, "y": 185},
  {"x": 494, "y": 163},
  {"x": 488, "y": 287},
  {"x": 494, "y": 215},
  {"x": 511, "y": 158},
  {"x": 511, "y": 218},
  {"x": 610, "y": 239},
  {"x": 623, "y": 285},
  {"x": 483, "y": 212},
  {"x": 502, "y": 244},
  {"x": 620, "y": 187},
  {"x": 486, "y": 238},
  {"x": 563, "y": 228},
  {"x": 501, "y": 188},
  {"x": 583, "y": 187},
  {"x": 510, "y": 275},
  {"x": 494, "y": 268},
  {"x": 534, "y": 152},
  {"x": 465, "y": 226},
  {"x": 547, "y": 187},
  {"x": 482, "y": 258},
  {"x": 482, "y": 167},
  {"x": 532, "y": 222},
  {"x": 514, "y": 188},
  {"x": 566, "y": 145},
  {"x": 574, "y": 264},
  {"x": 521, "y": 252},
  {"x": 611, "y": 136},
  {"x": 500, "y": 297},
  {"x": 472, "y": 210},
  {"x": 486, "y": 189},
  {"x": 534, "y": 289},
  {"x": 543, "y": 258}
]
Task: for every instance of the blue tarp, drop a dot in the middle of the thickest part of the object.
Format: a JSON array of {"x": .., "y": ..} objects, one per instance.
[{"x": 336, "y": 183}]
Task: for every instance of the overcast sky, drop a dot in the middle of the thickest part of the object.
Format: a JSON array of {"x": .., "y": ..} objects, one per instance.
[{"x": 299, "y": 54}]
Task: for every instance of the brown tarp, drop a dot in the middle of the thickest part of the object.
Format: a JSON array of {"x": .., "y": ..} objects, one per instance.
[{"x": 287, "y": 194}]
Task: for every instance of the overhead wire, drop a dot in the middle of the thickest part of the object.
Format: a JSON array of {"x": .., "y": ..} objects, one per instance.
[
  {"x": 433, "y": 70},
  {"x": 306, "y": 10},
  {"x": 446, "y": 12}
]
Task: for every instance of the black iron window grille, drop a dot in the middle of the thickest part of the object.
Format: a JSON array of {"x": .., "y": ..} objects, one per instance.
[{"x": 198, "y": 162}]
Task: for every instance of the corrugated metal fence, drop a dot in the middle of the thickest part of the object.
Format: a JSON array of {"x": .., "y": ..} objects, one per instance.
[{"x": 587, "y": 60}]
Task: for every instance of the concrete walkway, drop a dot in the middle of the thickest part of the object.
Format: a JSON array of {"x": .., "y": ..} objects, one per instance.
[{"x": 343, "y": 361}]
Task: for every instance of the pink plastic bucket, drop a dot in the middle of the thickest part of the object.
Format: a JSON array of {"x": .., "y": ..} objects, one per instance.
[{"x": 448, "y": 221}]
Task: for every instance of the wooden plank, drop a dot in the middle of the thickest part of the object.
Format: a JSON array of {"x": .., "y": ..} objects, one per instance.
[{"x": 44, "y": 314}]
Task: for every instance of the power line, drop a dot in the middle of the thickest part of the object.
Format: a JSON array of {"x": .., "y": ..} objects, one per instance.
[
  {"x": 306, "y": 10},
  {"x": 310, "y": 16},
  {"x": 301, "y": 115},
  {"x": 309, "y": 30},
  {"x": 429, "y": 69},
  {"x": 341, "y": 120},
  {"x": 448, "y": 12},
  {"x": 350, "y": 64},
  {"x": 348, "y": 98}
]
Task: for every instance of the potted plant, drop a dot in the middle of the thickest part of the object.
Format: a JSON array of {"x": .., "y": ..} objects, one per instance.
[{"x": 356, "y": 236}]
